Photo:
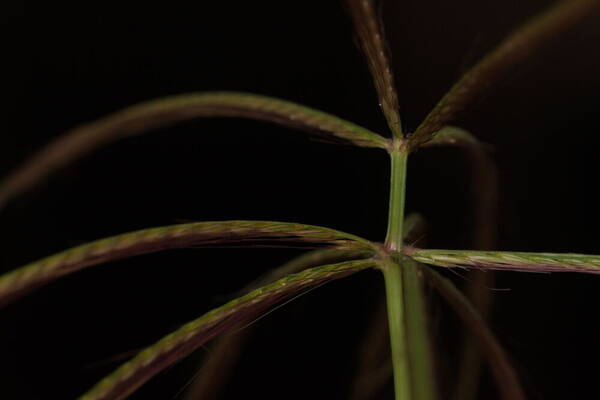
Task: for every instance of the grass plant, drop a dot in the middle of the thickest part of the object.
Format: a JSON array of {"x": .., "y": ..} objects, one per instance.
[{"x": 406, "y": 268}]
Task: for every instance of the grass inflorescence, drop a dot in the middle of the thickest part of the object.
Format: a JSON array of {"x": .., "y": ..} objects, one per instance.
[{"x": 403, "y": 266}]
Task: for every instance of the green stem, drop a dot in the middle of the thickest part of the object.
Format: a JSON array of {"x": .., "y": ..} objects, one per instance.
[
  {"x": 393, "y": 240},
  {"x": 411, "y": 358},
  {"x": 392, "y": 274},
  {"x": 419, "y": 353},
  {"x": 411, "y": 353}
]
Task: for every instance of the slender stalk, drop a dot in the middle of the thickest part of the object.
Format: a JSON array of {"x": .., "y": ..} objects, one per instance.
[
  {"x": 394, "y": 291},
  {"x": 375, "y": 364},
  {"x": 419, "y": 352},
  {"x": 411, "y": 354},
  {"x": 394, "y": 238},
  {"x": 392, "y": 275},
  {"x": 408, "y": 335}
]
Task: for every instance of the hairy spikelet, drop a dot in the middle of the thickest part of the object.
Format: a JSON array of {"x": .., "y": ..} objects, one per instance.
[
  {"x": 372, "y": 43},
  {"x": 506, "y": 260},
  {"x": 182, "y": 342},
  {"x": 309, "y": 260},
  {"x": 225, "y": 350},
  {"x": 144, "y": 117},
  {"x": 514, "y": 49},
  {"x": 20, "y": 281}
]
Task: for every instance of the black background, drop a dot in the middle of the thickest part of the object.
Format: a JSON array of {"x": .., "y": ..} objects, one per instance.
[{"x": 71, "y": 63}]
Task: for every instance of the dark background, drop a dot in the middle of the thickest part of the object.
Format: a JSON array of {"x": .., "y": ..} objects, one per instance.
[{"x": 68, "y": 63}]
